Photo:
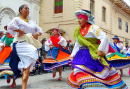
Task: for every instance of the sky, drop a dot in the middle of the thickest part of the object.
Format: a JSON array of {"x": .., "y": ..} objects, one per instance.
[{"x": 127, "y": 1}]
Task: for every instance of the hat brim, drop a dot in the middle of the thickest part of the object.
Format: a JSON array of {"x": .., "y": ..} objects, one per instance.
[
  {"x": 55, "y": 29},
  {"x": 80, "y": 12},
  {"x": 115, "y": 38}
]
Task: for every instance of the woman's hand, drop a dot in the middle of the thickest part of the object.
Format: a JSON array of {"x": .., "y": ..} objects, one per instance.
[
  {"x": 6, "y": 45},
  {"x": 2, "y": 46},
  {"x": 0, "y": 63},
  {"x": 100, "y": 53},
  {"x": 121, "y": 52},
  {"x": 71, "y": 58},
  {"x": 36, "y": 35},
  {"x": 51, "y": 46},
  {"x": 45, "y": 55},
  {"x": 59, "y": 45},
  {"x": 21, "y": 32}
]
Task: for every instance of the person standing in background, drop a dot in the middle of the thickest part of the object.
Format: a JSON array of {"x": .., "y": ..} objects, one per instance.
[
  {"x": 71, "y": 46},
  {"x": 1, "y": 34},
  {"x": 43, "y": 52}
]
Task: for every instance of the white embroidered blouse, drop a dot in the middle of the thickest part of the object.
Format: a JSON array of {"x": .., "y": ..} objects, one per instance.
[
  {"x": 62, "y": 42},
  {"x": 94, "y": 32},
  {"x": 18, "y": 23},
  {"x": 122, "y": 48}
]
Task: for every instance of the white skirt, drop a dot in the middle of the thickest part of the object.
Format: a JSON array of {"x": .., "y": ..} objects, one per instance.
[{"x": 28, "y": 55}]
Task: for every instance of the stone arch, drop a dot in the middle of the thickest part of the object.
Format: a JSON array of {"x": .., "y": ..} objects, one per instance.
[
  {"x": 7, "y": 11},
  {"x": 6, "y": 15}
]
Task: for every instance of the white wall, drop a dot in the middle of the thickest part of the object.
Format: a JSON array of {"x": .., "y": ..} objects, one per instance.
[{"x": 9, "y": 10}]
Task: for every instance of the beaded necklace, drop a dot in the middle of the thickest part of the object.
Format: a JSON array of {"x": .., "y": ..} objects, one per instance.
[
  {"x": 85, "y": 30},
  {"x": 26, "y": 20}
]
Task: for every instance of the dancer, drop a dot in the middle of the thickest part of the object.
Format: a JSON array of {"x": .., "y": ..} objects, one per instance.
[
  {"x": 91, "y": 70},
  {"x": 128, "y": 51},
  {"x": 128, "y": 54},
  {"x": 24, "y": 53},
  {"x": 57, "y": 55},
  {"x": 7, "y": 39},
  {"x": 119, "y": 59}
]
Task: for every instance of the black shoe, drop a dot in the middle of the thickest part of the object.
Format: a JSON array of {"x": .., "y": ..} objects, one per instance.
[
  {"x": 31, "y": 74},
  {"x": 39, "y": 73}
]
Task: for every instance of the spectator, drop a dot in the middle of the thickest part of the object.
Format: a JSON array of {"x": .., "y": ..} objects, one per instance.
[
  {"x": 43, "y": 52},
  {"x": 32, "y": 73},
  {"x": 71, "y": 46},
  {"x": 67, "y": 44},
  {"x": 36, "y": 67},
  {"x": 1, "y": 34}
]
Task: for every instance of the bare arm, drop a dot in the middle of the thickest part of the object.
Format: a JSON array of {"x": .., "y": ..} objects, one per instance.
[
  {"x": 21, "y": 32},
  {"x": 36, "y": 35}
]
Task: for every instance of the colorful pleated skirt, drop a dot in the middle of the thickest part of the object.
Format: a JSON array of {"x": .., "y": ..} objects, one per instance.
[
  {"x": 4, "y": 54},
  {"x": 92, "y": 74},
  {"x": 5, "y": 68},
  {"x": 119, "y": 61},
  {"x": 56, "y": 58},
  {"x": 5, "y": 59},
  {"x": 84, "y": 80}
]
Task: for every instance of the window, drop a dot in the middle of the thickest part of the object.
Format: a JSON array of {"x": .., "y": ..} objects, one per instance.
[
  {"x": 92, "y": 7},
  {"x": 126, "y": 27},
  {"x": 126, "y": 42},
  {"x": 120, "y": 23},
  {"x": 58, "y": 6},
  {"x": 103, "y": 14}
]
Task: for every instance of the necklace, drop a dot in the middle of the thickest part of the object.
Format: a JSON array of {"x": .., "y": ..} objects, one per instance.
[
  {"x": 26, "y": 20},
  {"x": 85, "y": 30}
]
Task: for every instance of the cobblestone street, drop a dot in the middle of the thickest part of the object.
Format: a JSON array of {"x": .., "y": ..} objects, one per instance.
[{"x": 45, "y": 81}]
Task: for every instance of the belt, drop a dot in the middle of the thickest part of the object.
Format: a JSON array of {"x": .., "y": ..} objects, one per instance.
[
  {"x": 20, "y": 41},
  {"x": 84, "y": 47}
]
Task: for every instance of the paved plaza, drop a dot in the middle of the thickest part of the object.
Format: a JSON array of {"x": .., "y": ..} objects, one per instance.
[{"x": 45, "y": 81}]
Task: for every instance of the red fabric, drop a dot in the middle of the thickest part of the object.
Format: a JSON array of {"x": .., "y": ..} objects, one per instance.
[
  {"x": 55, "y": 41},
  {"x": 84, "y": 31},
  {"x": 70, "y": 40},
  {"x": 110, "y": 50},
  {"x": 4, "y": 54},
  {"x": 9, "y": 35}
]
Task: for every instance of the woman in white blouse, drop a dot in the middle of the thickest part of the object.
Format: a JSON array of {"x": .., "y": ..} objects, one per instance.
[{"x": 24, "y": 54}]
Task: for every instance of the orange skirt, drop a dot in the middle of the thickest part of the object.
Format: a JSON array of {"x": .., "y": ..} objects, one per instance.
[
  {"x": 62, "y": 56},
  {"x": 61, "y": 60},
  {"x": 4, "y": 54}
]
